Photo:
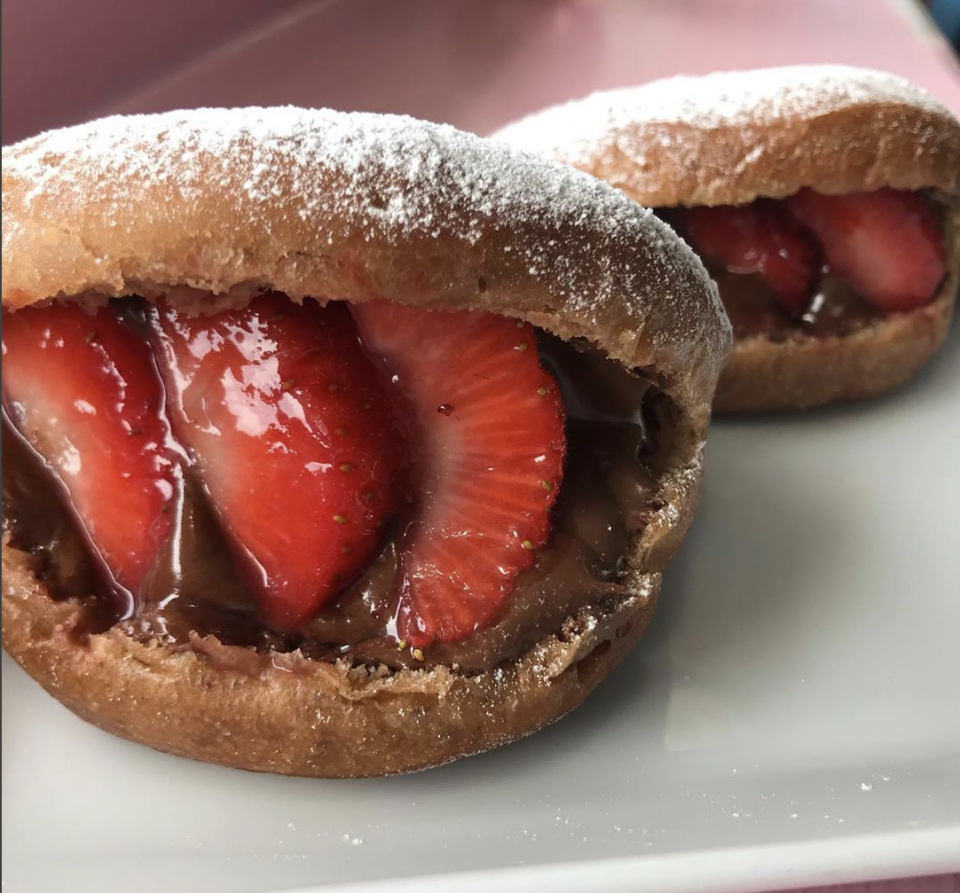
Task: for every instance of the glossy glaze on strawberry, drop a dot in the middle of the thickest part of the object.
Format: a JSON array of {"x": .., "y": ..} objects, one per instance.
[
  {"x": 825, "y": 263},
  {"x": 290, "y": 430},
  {"x": 333, "y": 487},
  {"x": 84, "y": 390}
]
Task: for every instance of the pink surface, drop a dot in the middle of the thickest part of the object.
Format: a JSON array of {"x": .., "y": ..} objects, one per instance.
[
  {"x": 473, "y": 63},
  {"x": 63, "y": 60},
  {"x": 479, "y": 63}
]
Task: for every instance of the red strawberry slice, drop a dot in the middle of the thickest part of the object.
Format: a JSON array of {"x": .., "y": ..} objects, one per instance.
[
  {"x": 288, "y": 423},
  {"x": 84, "y": 390},
  {"x": 758, "y": 238},
  {"x": 487, "y": 427},
  {"x": 886, "y": 244}
]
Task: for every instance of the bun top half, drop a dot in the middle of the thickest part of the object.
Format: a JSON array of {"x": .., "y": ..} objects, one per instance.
[
  {"x": 214, "y": 204},
  {"x": 731, "y": 137}
]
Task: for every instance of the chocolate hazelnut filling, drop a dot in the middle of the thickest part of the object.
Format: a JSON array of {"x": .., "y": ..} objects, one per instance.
[
  {"x": 193, "y": 589},
  {"x": 835, "y": 309}
]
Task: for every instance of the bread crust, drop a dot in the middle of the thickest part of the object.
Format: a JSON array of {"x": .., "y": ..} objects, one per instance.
[
  {"x": 295, "y": 716},
  {"x": 351, "y": 207},
  {"x": 733, "y": 137}
]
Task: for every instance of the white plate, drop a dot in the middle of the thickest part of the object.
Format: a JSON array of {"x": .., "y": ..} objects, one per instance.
[{"x": 793, "y": 716}]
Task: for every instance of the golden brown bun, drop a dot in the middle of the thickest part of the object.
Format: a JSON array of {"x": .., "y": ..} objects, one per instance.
[
  {"x": 732, "y": 137},
  {"x": 323, "y": 204}
]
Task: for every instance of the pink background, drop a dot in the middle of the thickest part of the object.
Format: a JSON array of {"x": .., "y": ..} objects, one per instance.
[{"x": 472, "y": 63}]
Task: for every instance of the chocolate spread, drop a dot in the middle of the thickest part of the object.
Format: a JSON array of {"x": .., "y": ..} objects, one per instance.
[
  {"x": 835, "y": 309},
  {"x": 605, "y": 496}
]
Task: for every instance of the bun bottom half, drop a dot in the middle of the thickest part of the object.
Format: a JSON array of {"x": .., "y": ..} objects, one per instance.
[
  {"x": 285, "y": 713},
  {"x": 290, "y": 715},
  {"x": 804, "y": 371}
]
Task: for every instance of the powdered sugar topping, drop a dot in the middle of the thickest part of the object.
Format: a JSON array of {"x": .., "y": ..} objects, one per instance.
[
  {"x": 398, "y": 174},
  {"x": 572, "y": 130},
  {"x": 225, "y": 179}
]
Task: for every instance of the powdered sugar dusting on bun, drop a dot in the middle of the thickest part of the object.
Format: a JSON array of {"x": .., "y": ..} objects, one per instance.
[
  {"x": 395, "y": 176},
  {"x": 353, "y": 206},
  {"x": 722, "y": 99},
  {"x": 730, "y": 137}
]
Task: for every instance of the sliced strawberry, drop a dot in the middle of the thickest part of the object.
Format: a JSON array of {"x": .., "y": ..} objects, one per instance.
[
  {"x": 758, "y": 238},
  {"x": 84, "y": 390},
  {"x": 288, "y": 422},
  {"x": 487, "y": 427},
  {"x": 886, "y": 244}
]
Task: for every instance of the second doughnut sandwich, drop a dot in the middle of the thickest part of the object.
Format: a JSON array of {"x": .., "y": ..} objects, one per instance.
[{"x": 823, "y": 199}]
